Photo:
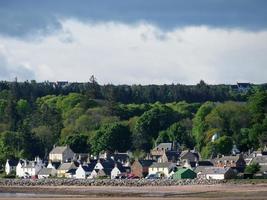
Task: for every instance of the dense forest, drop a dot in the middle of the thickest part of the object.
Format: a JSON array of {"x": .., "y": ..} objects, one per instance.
[{"x": 92, "y": 118}]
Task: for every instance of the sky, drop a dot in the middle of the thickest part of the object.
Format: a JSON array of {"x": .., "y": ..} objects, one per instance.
[{"x": 134, "y": 41}]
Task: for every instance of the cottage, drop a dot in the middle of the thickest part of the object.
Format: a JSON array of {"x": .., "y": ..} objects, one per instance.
[
  {"x": 84, "y": 170},
  {"x": 165, "y": 152},
  {"x": 184, "y": 173},
  {"x": 47, "y": 173},
  {"x": 235, "y": 162},
  {"x": 122, "y": 158},
  {"x": 119, "y": 170},
  {"x": 163, "y": 169},
  {"x": 104, "y": 164},
  {"x": 217, "y": 173},
  {"x": 29, "y": 168},
  {"x": 65, "y": 167},
  {"x": 98, "y": 173},
  {"x": 190, "y": 156},
  {"x": 140, "y": 167},
  {"x": 61, "y": 154},
  {"x": 262, "y": 161},
  {"x": 10, "y": 166}
]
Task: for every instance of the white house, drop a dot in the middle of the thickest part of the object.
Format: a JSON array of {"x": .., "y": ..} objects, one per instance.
[
  {"x": 29, "y": 168},
  {"x": 163, "y": 169},
  {"x": 10, "y": 166},
  {"x": 61, "y": 153},
  {"x": 217, "y": 173},
  {"x": 118, "y": 170},
  {"x": 84, "y": 171}
]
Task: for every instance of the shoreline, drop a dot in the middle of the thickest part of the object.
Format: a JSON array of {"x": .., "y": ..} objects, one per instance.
[{"x": 258, "y": 191}]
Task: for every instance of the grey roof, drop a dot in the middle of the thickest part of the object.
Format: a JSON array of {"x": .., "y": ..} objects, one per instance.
[
  {"x": 45, "y": 171},
  {"x": 59, "y": 150},
  {"x": 188, "y": 152},
  {"x": 227, "y": 158},
  {"x": 67, "y": 166},
  {"x": 259, "y": 159},
  {"x": 29, "y": 164},
  {"x": 212, "y": 170},
  {"x": 163, "y": 165},
  {"x": 164, "y": 146}
]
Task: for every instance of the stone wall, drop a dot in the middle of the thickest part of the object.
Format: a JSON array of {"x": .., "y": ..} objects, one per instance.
[{"x": 105, "y": 182}]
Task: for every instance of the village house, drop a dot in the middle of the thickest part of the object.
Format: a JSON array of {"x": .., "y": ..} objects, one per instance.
[
  {"x": 65, "y": 167},
  {"x": 162, "y": 169},
  {"x": 235, "y": 162},
  {"x": 165, "y": 152},
  {"x": 29, "y": 168},
  {"x": 217, "y": 173},
  {"x": 98, "y": 173},
  {"x": 118, "y": 170},
  {"x": 10, "y": 166},
  {"x": 262, "y": 161},
  {"x": 47, "y": 173},
  {"x": 190, "y": 156},
  {"x": 84, "y": 170},
  {"x": 140, "y": 167},
  {"x": 123, "y": 158},
  {"x": 184, "y": 173},
  {"x": 61, "y": 154}
]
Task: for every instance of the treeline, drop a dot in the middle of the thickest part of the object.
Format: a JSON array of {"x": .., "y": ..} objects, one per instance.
[
  {"x": 93, "y": 118},
  {"x": 128, "y": 94}
]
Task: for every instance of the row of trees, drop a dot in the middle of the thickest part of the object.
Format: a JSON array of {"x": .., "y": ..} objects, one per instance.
[
  {"x": 31, "y": 123},
  {"x": 127, "y": 94}
]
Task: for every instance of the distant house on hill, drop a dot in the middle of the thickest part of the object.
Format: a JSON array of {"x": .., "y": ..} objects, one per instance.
[
  {"x": 241, "y": 87},
  {"x": 61, "y": 154}
]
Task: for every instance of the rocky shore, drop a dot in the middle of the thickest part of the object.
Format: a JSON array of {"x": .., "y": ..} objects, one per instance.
[{"x": 106, "y": 182}]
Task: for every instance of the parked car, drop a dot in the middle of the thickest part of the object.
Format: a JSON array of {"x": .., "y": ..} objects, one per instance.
[{"x": 152, "y": 176}]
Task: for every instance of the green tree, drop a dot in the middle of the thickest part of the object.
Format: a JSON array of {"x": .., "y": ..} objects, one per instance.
[
  {"x": 78, "y": 143},
  {"x": 253, "y": 168},
  {"x": 10, "y": 145},
  {"x": 149, "y": 124},
  {"x": 111, "y": 137},
  {"x": 223, "y": 145},
  {"x": 199, "y": 124},
  {"x": 257, "y": 104}
]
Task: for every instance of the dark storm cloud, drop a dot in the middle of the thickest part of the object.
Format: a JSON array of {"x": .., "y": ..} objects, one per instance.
[{"x": 31, "y": 17}]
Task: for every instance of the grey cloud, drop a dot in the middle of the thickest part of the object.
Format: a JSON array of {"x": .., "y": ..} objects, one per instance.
[
  {"x": 30, "y": 17},
  {"x": 9, "y": 72}
]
